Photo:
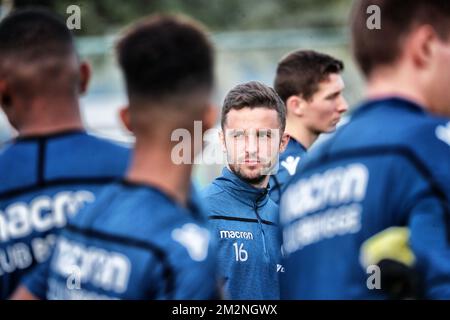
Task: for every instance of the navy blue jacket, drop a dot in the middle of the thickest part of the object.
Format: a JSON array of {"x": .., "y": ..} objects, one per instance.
[
  {"x": 390, "y": 166},
  {"x": 44, "y": 181},
  {"x": 134, "y": 242},
  {"x": 245, "y": 221}
]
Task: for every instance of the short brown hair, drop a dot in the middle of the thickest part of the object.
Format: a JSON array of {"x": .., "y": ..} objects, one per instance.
[
  {"x": 37, "y": 39},
  {"x": 301, "y": 72},
  {"x": 254, "y": 94},
  {"x": 166, "y": 55},
  {"x": 375, "y": 47}
]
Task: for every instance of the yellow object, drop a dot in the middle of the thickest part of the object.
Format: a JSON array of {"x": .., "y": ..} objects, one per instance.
[{"x": 391, "y": 243}]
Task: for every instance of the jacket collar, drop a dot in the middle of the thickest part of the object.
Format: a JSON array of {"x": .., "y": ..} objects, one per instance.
[
  {"x": 241, "y": 190},
  {"x": 52, "y": 135},
  {"x": 295, "y": 145},
  {"x": 398, "y": 102}
]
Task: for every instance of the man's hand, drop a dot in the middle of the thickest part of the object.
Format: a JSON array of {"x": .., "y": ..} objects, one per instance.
[{"x": 390, "y": 251}]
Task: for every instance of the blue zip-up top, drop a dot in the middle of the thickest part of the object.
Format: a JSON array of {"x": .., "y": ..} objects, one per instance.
[
  {"x": 389, "y": 166},
  {"x": 134, "y": 242},
  {"x": 244, "y": 219},
  {"x": 44, "y": 181}
]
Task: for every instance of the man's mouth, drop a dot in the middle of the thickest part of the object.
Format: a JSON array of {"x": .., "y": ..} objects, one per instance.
[
  {"x": 336, "y": 121},
  {"x": 252, "y": 161}
]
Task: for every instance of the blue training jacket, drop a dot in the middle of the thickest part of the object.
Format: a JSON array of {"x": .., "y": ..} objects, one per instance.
[
  {"x": 44, "y": 181},
  {"x": 390, "y": 166},
  {"x": 245, "y": 221},
  {"x": 134, "y": 242},
  {"x": 288, "y": 163}
]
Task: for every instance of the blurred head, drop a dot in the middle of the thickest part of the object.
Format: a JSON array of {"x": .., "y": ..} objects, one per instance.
[
  {"x": 38, "y": 61},
  {"x": 167, "y": 62},
  {"x": 311, "y": 86},
  {"x": 414, "y": 39},
  {"x": 253, "y": 123}
]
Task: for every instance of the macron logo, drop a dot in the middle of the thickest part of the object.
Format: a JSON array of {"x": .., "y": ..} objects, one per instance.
[
  {"x": 194, "y": 239},
  {"x": 443, "y": 133},
  {"x": 280, "y": 268},
  {"x": 291, "y": 164}
]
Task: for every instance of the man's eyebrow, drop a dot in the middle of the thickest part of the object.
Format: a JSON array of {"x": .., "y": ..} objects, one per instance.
[{"x": 334, "y": 94}]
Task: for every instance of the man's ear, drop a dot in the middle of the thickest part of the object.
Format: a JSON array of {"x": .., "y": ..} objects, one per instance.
[
  {"x": 295, "y": 105},
  {"x": 3, "y": 90},
  {"x": 5, "y": 96},
  {"x": 85, "y": 76},
  {"x": 420, "y": 45},
  {"x": 284, "y": 142},
  {"x": 124, "y": 114},
  {"x": 209, "y": 117},
  {"x": 222, "y": 140},
  {"x": 2, "y": 86}
]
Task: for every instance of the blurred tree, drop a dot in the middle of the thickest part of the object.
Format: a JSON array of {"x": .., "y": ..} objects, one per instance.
[{"x": 103, "y": 16}]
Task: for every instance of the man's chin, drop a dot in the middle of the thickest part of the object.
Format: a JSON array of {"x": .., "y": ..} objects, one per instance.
[
  {"x": 253, "y": 179},
  {"x": 261, "y": 173},
  {"x": 251, "y": 176},
  {"x": 333, "y": 126},
  {"x": 258, "y": 170},
  {"x": 255, "y": 171}
]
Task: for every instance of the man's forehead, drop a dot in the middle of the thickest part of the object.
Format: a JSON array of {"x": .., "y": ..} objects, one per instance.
[
  {"x": 333, "y": 82},
  {"x": 252, "y": 118}
]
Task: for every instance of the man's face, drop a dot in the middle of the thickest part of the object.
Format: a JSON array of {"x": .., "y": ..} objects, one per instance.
[
  {"x": 323, "y": 111},
  {"x": 251, "y": 138}
]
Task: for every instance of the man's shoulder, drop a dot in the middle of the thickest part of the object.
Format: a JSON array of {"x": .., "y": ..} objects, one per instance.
[
  {"x": 94, "y": 141},
  {"x": 423, "y": 141},
  {"x": 430, "y": 145},
  {"x": 372, "y": 135},
  {"x": 138, "y": 214},
  {"x": 426, "y": 140},
  {"x": 151, "y": 218},
  {"x": 71, "y": 158},
  {"x": 211, "y": 193},
  {"x": 18, "y": 165},
  {"x": 90, "y": 148},
  {"x": 130, "y": 201},
  {"x": 431, "y": 132}
]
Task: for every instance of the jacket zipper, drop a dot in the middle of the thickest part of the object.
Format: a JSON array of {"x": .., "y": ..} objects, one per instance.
[{"x": 266, "y": 253}]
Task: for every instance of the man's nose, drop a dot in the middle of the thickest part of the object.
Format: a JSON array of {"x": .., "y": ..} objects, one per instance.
[
  {"x": 251, "y": 144},
  {"x": 342, "y": 105}
]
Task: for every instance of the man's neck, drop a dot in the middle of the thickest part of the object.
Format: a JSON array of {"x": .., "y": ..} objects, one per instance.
[
  {"x": 48, "y": 118},
  {"x": 152, "y": 165},
  {"x": 263, "y": 184},
  {"x": 300, "y": 133},
  {"x": 387, "y": 83}
]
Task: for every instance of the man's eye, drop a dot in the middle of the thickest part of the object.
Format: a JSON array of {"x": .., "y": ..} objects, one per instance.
[
  {"x": 238, "y": 134},
  {"x": 333, "y": 96},
  {"x": 264, "y": 134}
]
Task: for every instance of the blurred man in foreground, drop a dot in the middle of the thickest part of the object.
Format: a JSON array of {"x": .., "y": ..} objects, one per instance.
[
  {"x": 53, "y": 167},
  {"x": 145, "y": 237},
  {"x": 389, "y": 167}
]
